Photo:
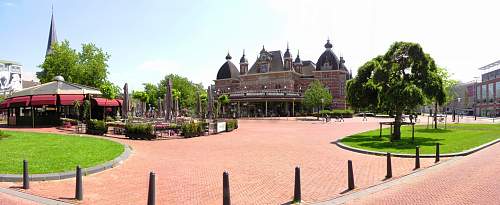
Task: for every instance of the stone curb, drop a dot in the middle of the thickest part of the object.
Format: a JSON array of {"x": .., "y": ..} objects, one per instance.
[
  {"x": 71, "y": 174},
  {"x": 464, "y": 153},
  {"x": 31, "y": 197}
]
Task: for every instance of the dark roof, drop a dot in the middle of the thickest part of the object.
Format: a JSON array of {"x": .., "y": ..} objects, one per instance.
[
  {"x": 328, "y": 57},
  {"x": 276, "y": 63},
  {"x": 228, "y": 70},
  {"x": 228, "y": 57},
  {"x": 297, "y": 59},
  {"x": 328, "y": 44},
  {"x": 287, "y": 52},
  {"x": 52, "y": 35},
  {"x": 308, "y": 67},
  {"x": 243, "y": 59}
]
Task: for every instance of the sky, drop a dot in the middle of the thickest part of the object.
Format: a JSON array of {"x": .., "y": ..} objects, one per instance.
[{"x": 149, "y": 39}]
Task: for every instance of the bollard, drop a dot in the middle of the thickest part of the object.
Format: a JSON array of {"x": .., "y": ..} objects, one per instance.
[
  {"x": 437, "y": 152},
  {"x": 79, "y": 184},
  {"x": 26, "y": 180},
  {"x": 389, "y": 166},
  {"x": 226, "y": 195},
  {"x": 152, "y": 189},
  {"x": 297, "y": 193},
  {"x": 350, "y": 176},
  {"x": 417, "y": 157}
]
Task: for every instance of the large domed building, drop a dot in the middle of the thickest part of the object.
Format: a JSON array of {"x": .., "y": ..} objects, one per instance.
[{"x": 275, "y": 83}]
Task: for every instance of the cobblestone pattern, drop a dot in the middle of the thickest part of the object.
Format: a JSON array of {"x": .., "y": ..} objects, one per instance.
[{"x": 260, "y": 157}]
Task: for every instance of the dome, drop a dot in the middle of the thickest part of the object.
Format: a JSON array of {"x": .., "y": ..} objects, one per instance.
[
  {"x": 297, "y": 59},
  {"x": 58, "y": 78},
  {"x": 228, "y": 57},
  {"x": 243, "y": 59},
  {"x": 327, "y": 61},
  {"x": 328, "y": 44},
  {"x": 228, "y": 70}
]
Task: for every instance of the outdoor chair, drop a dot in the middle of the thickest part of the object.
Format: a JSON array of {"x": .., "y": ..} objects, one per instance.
[{"x": 80, "y": 127}]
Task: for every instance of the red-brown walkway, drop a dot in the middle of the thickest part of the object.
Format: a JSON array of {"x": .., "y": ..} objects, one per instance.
[{"x": 260, "y": 157}]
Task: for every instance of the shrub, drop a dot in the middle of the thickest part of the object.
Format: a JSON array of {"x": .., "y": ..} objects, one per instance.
[
  {"x": 231, "y": 125},
  {"x": 71, "y": 121},
  {"x": 3, "y": 134},
  {"x": 139, "y": 131},
  {"x": 96, "y": 127},
  {"x": 192, "y": 129},
  {"x": 334, "y": 113}
]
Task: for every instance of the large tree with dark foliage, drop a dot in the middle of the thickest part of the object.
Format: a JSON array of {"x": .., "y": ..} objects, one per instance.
[{"x": 398, "y": 81}]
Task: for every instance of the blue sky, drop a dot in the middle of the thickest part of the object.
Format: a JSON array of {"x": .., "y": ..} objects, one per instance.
[{"x": 148, "y": 39}]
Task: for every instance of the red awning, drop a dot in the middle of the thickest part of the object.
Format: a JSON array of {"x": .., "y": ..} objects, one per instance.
[
  {"x": 19, "y": 101},
  {"x": 43, "y": 100},
  {"x": 70, "y": 99},
  {"x": 103, "y": 102},
  {"x": 120, "y": 102},
  {"x": 4, "y": 104}
]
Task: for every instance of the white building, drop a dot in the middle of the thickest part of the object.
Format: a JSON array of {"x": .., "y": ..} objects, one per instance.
[{"x": 10, "y": 76}]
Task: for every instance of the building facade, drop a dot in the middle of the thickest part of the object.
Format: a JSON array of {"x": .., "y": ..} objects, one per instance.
[
  {"x": 275, "y": 83},
  {"x": 10, "y": 76},
  {"x": 487, "y": 92}
]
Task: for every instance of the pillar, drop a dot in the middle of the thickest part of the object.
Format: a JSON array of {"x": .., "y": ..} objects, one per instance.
[
  {"x": 293, "y": 108},
  {"x": 265, "y": 115}
]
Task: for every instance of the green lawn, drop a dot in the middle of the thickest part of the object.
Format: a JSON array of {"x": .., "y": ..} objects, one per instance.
[
  {"x": 456, "y": 138},
  {"x": 50, "y": 153}
]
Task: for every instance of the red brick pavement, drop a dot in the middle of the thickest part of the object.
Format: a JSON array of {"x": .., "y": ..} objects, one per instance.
[
  {"x": 6, "y": 199},
  {"x": 260, "y": 157},
  {"x": 471, "y": 180}
]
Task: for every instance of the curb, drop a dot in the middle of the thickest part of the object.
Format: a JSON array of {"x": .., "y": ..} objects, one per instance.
[
  {"x": 70, "y": 174},
  {"x": 464, "y": 153},
  {"x": 31, "y": 197}
]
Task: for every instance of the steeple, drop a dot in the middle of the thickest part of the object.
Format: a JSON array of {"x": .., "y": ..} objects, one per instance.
[
  {"x": 243, "y": 64},
  {"x": 228, "y": 57},
  {"x": 52, "y": 34}
]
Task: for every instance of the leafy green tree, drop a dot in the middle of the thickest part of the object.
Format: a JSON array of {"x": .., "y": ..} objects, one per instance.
[
  {"x": 223, "y": 101},
  {"x": 88, "y": 67},
  {"x": 398, "y": 81},
  {"x": 86, "y": 110},
  {"x": 186, "y": 88},
  {"x": 151, "y": 91},
  {"x": 110, "y": 90},
  {"x": 317, "y": 96}
]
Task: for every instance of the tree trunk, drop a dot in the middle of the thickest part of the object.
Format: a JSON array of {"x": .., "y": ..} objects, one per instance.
[
  {"x": 435, "y": 115},
  {"x": 396, "y": 136}
]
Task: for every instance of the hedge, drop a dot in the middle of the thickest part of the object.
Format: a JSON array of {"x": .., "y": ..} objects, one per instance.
[
  {"x": 231, "y": 125},
  {"x": 139, "y": 131},
  {"x": 335, "y": 113},
  {"x": 192, "y": 129},
  {"x": 97, "y": 127}
]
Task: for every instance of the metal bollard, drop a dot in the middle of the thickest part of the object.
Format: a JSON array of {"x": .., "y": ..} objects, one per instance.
[
  {"x": 226, "y": 195},
  {"x": 389, "y": 166},
  {"x": 417, "y": 157},
  {"x": 297, "y": 193},
  {"x": 152, "y": 189},
  {"x": 26, "y": 180},
  {"x": 79, "y": 184},
  {"x": 437, "y": 152},
  {"x": 350, "y": 176}
]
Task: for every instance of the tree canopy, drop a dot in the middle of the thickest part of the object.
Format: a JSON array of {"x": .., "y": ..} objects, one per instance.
[
  {"x": 86, "y": 67},
  {"x": 398, "y": 81},
  {"x": 317, "y": 95}
]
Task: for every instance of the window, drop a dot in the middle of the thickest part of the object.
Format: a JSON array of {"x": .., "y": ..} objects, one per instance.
[
  {"x": 498, "y": 90},
  {"x": 490, "y": 92},
  {"x": 483, "y": 92},
  {"x": 478, "y": 92}
]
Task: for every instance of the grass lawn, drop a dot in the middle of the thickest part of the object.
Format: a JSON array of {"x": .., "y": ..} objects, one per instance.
[
  {"x": 456, "y": 138},
  {"x": 50, "y": 153}
]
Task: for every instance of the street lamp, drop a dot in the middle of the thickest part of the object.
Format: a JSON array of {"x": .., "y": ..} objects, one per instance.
[{"x": 475, "y": 97}]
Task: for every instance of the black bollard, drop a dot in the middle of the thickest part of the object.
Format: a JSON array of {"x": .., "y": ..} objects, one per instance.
[
  {"x": 389, "y": 166},
  {"x": 417, "y": 157},
  {"x": 297, "y": 193},
  {"x": 152, "y": 189},
  {"x": 226, "y": 195},
  {"x": 437, "y": 152},
  {"x": 350, "y": 176},
  {"x": 79, "y": 184},
  {"x": 26, "y": 180}
]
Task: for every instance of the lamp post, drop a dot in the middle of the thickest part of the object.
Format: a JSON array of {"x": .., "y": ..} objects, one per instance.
[{"x": 475, "y": 97}]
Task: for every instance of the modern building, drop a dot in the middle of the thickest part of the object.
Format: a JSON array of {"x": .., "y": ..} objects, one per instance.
[
  {"x": 275, "y": 83},
  {"x": 487, "y": 91}
]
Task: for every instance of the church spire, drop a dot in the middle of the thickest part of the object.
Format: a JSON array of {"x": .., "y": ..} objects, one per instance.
[{"x": 52, "y": 34}]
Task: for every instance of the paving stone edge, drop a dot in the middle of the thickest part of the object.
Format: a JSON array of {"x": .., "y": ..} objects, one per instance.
[
  {"x": 464, "y": 153},
  {"x": 71, "y": 174}
]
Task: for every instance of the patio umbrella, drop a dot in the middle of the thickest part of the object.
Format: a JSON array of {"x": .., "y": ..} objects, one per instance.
[{"x": 125, "y": 102}]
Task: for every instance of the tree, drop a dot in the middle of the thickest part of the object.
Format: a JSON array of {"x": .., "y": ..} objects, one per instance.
[
  {"x": 223, "y": 101},
  {"x": 399, "y": 81},
  {"x": 317, "y": 96},
  {"x": 110, "y": 90},
  {"x": 186, "y": 88},
  {"x": 76, "y": 105},
  {"x": 88, "y": 67}
]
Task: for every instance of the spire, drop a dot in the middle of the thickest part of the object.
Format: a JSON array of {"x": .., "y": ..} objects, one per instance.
[
  {"x": 297, "y": 59},
  {"x": 228, "y": 57},
  {"x": 287, "y": 52},
  {"x": 243, "y": 59},
  {"x": 263, "y": 49},
  {"x": 52, "y": 34},
  {"x": 328, "y": 45}
]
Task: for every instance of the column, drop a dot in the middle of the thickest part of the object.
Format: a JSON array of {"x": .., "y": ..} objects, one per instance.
[
  {"x": 293, "y": 108},
  {"x": 265, "y": 113}
]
